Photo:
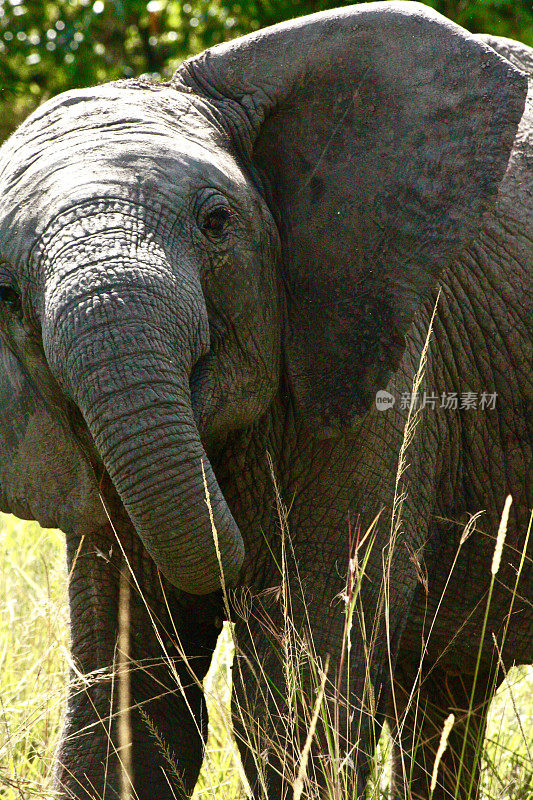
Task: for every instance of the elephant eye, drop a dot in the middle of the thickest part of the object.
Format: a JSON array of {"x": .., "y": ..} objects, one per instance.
[
  {"x": 215, "y": 222},
  {"x": 213, "y": 214},
  {"x": 9, "y": 296}
]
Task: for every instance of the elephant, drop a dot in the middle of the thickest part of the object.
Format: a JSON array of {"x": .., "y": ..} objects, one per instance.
[{"x": 265, "y": 342}]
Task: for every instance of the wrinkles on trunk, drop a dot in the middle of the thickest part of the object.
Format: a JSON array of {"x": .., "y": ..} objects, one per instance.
[
  {"x": 154, "y": 457},
  {"x": 128, "y": 373}
]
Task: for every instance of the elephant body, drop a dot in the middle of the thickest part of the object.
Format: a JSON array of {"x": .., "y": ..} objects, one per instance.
[{"x": 159, "y": 360}]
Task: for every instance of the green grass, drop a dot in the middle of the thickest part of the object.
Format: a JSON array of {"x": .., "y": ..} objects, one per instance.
[
  {"x": 34, "y": 668},
  {"x": 33, "y": 646}
]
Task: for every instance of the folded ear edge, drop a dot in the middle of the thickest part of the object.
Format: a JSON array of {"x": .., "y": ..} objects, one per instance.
[{"x": 231, "y": 77}]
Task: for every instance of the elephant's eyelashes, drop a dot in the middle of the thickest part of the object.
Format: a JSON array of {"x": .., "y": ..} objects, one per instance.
[
  {"x": 9, "y": 297},
  {"x": 213, "y": 215},
  {"x": 215, "y": 222}
]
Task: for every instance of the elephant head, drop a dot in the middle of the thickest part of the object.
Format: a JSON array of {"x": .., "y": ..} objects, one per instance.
[{"x": 172, "y": 254}]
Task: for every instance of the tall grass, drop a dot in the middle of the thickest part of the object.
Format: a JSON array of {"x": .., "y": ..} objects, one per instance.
[
  {"x": 33, "y": 676},
  {"x": 33, "y": 655}
]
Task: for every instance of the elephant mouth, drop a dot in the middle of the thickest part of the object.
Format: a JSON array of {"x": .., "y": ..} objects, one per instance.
[
  {"x": 206, "y": 400},
  {"x": 207, "y": 610},
  {"x": 110, "y": 507},
  {"x": 201, "y": 387}
]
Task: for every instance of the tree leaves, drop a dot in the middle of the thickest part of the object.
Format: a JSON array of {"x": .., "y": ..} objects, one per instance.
[{"x": 48, "y": 46}]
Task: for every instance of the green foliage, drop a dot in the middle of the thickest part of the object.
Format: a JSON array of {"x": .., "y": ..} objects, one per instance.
[
  {"x": 33, "y": 644},
  {"x": 49, "y": 46},
  {"x": 511, "y": 18}
]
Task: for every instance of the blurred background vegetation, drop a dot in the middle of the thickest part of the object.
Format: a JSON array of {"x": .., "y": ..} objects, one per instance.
[{"x": 48, "y": 46}]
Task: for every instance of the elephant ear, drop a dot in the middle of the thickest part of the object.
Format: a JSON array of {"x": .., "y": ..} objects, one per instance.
[
  {"x": 42, "y": 474},
  {"x": 380, "y": 134}
]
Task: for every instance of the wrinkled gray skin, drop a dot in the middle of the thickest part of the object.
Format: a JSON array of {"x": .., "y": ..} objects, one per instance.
[{"x": 222, "y": 271}]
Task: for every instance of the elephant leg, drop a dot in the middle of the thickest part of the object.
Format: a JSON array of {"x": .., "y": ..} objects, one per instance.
[
  {"x": 276, "y": 683},
  {"x": 417, "y": 730},
  {"x": 166, "y": 724}
]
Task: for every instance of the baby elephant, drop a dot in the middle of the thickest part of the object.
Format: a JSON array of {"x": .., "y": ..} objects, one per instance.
[{"x": 284, "y": 297}]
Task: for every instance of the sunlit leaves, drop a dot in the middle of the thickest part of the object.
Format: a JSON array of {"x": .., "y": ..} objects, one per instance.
[{"x": 48, "y": 46}]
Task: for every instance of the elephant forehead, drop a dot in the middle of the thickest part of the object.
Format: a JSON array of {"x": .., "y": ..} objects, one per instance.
[
  {"x": 116, "y": 106},
  {"x": 113, "y": 125},
  {"x": 109, "y": 141}
]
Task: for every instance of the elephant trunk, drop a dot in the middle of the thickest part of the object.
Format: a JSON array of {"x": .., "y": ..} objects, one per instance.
[{"x": 126, "y": 366}]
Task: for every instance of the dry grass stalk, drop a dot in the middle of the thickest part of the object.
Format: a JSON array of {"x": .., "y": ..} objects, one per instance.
[
  {"x": 124, "y": 689},
  {"x": 448, "y": 725},
  {"x": 500, "y": 538},
  {"x": 300, "y": 778}
]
